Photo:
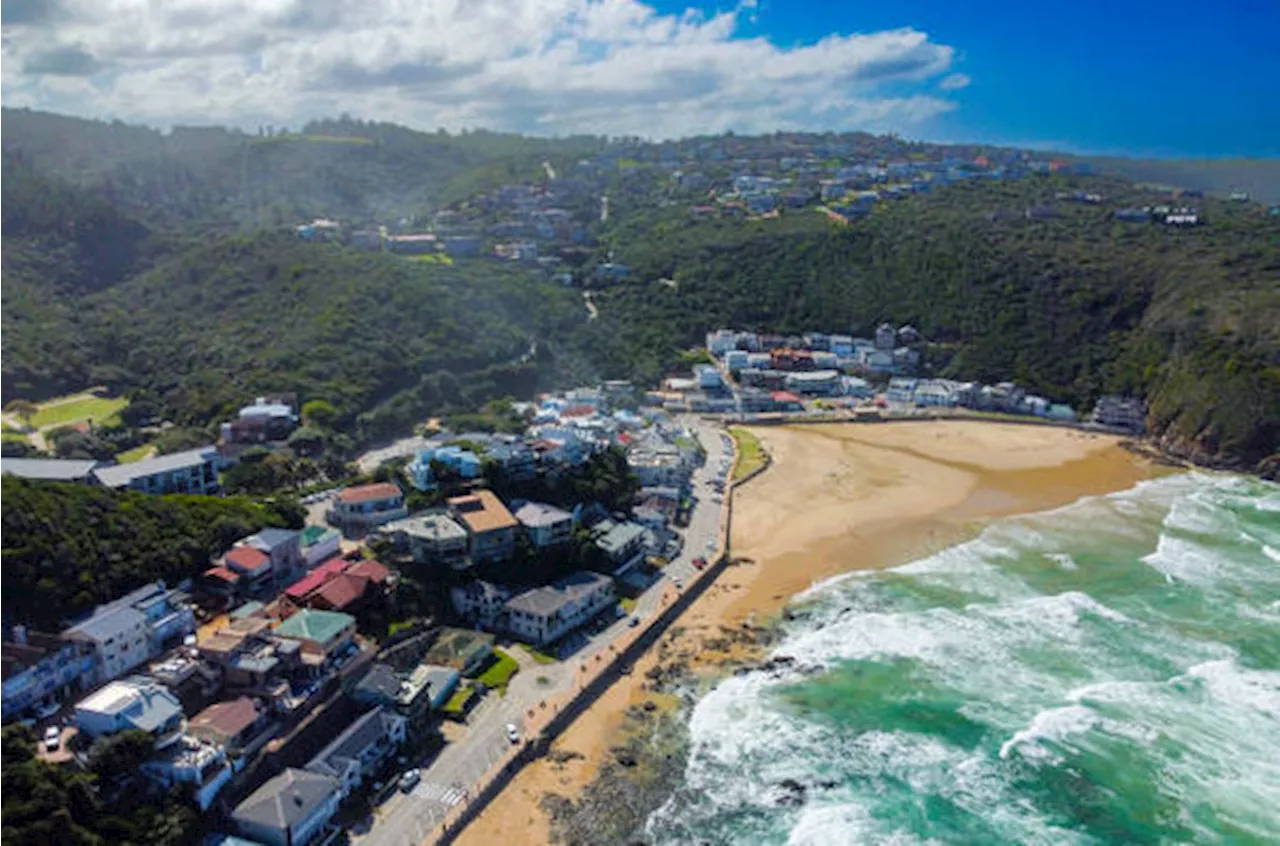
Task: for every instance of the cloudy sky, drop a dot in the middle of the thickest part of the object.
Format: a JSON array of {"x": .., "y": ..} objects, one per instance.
[{"x": 643, "y": 67}]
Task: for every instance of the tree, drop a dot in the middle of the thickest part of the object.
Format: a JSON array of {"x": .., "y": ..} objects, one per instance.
[
  {"x": 24, "y": 410},
  {"x": 320, "y": 413},
  {"x": 307, "y": 440},
  {"x": 120, "y": 754}
]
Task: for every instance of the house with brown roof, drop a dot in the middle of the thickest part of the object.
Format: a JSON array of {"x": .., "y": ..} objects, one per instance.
[
  {"x": 234, "y": 724},
  {"x": 344, "y": 592},
  {"x": 491, "y": 528},
  {"x": 358, "y": 509}
]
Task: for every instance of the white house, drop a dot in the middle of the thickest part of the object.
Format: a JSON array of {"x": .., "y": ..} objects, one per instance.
[
  {"x": 291, "y": 809},
  {"x": 135, "y": 703},
  {"x": 192, "y": 761},
  {"x": 133, "y": 628},
  {"x": 708, "y": 377},
  {"x": 546, "y": 614},
  {"x": 901, "y": 390},
  {"x": 356, "y": 753},
  {"x": 480, "y": 602}
]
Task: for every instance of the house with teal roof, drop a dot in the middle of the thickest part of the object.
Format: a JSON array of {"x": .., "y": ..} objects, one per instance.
[{"x": 326, "y": 635}]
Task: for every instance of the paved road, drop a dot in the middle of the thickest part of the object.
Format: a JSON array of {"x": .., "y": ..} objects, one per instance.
[{"x": 407, "y": 819}]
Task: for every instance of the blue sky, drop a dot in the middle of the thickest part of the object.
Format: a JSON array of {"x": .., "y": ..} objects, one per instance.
[
  {"x": 1174, "y": 78},
  {"x": 1122, "y": 77}
]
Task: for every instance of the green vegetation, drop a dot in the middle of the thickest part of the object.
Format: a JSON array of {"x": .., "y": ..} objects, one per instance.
[
  {"x": 68, "y": 547},
  {"x": 537, "y": 655},
  {"x": 499, "y": 672},
  {"x": 136, "y": 454},
  {"x": 459, "y": 701},
  {"x": 47, "y": 803},
  {"x": 751, "y": 455},
  {"x": 628, "y": 604},
  {"x": 102, "y": 411}
]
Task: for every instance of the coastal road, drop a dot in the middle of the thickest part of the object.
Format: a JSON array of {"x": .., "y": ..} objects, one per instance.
[{"x": 454, "y": 774}]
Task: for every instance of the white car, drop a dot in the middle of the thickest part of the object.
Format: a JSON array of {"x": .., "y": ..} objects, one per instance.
[
  {"x": 676, "y": 581},
  {"x": 410, "y": 779},
  {"x": 52, "y": 738},
  {"x": 513, "y": 733}
]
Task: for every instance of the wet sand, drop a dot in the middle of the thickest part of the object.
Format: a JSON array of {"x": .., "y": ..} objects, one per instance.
[{"x": 837, "y": 497}]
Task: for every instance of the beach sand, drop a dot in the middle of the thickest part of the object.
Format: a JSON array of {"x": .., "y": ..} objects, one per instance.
[{"x": 837, "y": 497}]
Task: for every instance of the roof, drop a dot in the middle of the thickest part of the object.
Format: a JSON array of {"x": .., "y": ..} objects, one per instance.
[
  {"x": 48, "y": 469},
  {"x": 381, "y": 682},
  {"x": 222, "y": 574},
  {"x": 145, "y": 704},
  {"x": 368, "y": 493},
  {"x": 227, "y": 719},
  {"x": 619, "y": 537},
  {"x": 271, "y": 538},
  {"x": 374, "y": 571},
  {"x": 432, "y": 527},
  {"x": 121, "y": 475},
  {"x": 248, "y": 609},
  {"x": 536, "y": 514},
  {"x": 430, "y": 677},
  {"x": 482, "y": 512},
  {"x": 317, "y": 577},
  {"x": 312, "y": 535},
  {"x": 286, "y": 799},
  {"x": 246, "y": 558},
  {"x": 108, "y": 623},
  {"x": 784, "y": 396},
  {"x": 550, "y": 598},
  {"x": 455, "y": 647},
  {"x": 312, "y": 624},
  {"x": 20, "y": 656},
  {"x": 342, "y": 591},
  {"x": 349, "y": 746}
]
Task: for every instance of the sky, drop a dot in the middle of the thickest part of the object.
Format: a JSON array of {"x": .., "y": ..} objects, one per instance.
[{"x": 1124, "y": 77}]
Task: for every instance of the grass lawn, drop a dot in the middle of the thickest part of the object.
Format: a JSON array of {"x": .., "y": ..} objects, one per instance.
[
  {"x": 457, "y": 703},
  {"x": 433, "y": 258},
  {"x": 100, "y": 410},
  {"x": 751, "y": 456},
  {"x": 499, "y": 673},
  {"x": 628, "y": 604},
  {"x": 13, "y": 437},
  {"x": 136, "y": 454},
  {"x": 536, "y": 655}
]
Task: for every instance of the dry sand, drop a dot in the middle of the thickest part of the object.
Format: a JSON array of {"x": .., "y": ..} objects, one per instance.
[{"x": 837, "y": 497}]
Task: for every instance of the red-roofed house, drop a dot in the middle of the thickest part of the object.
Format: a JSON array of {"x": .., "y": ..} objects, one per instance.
[
  {"x": 221, "y": 581},
  {"x": 786, "y": 400},
  {"x": 344, "y": 592},
  {"x": 374, "y": 571},
  {"x": 252, "y": 565},
  {"x": 314, "y": 580},
  {"x": 358, "y": 509},
  {"x": 578, "y": 411}
]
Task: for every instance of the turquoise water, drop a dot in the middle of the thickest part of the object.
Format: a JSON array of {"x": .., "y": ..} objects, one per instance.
[{"x": 1108, "y": 672}]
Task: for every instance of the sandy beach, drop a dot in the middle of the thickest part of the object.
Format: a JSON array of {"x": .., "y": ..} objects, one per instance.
[{"x": 836, "y": 497}]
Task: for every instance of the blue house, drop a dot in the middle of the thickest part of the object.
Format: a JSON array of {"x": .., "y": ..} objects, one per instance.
[{"x": 462, "y": 461}]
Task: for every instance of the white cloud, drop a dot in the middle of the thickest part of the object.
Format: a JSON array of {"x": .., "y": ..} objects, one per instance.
[{"x": 546, "y": 66}]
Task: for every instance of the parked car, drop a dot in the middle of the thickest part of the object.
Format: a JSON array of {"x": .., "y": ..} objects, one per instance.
[
  {"x": 410, "y": 779},
  {"x": 676, "y": 581},
  {"x": 513, "y": 733},
  {"x": 52, "y": 738},
  {"x": 699, "y": 563},
  {"x": 633, "y": 622}
]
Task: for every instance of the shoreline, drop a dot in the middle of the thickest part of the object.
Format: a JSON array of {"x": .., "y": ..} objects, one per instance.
[{"x": 836, "y": 498}]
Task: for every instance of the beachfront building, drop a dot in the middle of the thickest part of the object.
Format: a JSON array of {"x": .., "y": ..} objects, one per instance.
[
  {"x": 291, "y": 809},
  {"x": 623, "y": 544},
  {"x": 546, "y": 614},
  {"x": 42, "y": 670},
  {"x": 360, "y": 750},
  {"x": 1120, "y": 413}
]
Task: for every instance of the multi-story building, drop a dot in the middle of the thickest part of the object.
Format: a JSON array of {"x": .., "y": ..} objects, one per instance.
[
  {"x": 43, "y": 670},
  {"x": 357, "y": 753},
  {"x": 134, "y": 703},
  {"x": 480, "y": 602},
  {"x": 491, "y": 529},
  {"x": 195, "y": 762},
  {"x": 545, "y": 525},
  {"x": 292, "y": 809},
  {"x": 194, "y": 471},
  {"x": 359, "y": 509},
  {"x": 429, "y": 538},
  {"x": 134, "y": 628},
  {"x": 1120, "y": 412},
  {"x": 546, "y": 614},
  {"x": 623, "y": 544}
]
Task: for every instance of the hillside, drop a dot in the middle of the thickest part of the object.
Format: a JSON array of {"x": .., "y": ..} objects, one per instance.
[
  {"x": 1070, "y": 307},
  {"x": 354, "y": 170}
]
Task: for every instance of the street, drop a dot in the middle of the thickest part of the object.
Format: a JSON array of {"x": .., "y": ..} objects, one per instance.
[{"x": 453, "y": 775}]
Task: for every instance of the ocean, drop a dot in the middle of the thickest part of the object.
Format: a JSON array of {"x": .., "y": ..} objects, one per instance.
[{"x": 1107, "y": 672}]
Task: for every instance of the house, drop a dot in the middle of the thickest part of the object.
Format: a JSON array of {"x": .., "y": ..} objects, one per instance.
[
  {"x": 518, "y": 461},
  {"x": 841, "y": 345},
  {"x": 708, "y": 377},
  {"x": 901, "y": 390},
  {"x": 735, "y": 360},
  {"x": 51, "y": 469},
  {"x": 479, "y": 602},
  {"x": 251, "y": 568},
  {"x": 430, "y": 538},
  {"x": 460, "y": 246},
  {"x": 416, "y": 244},
  {"x": 233, "y": 724},
  {"x": 886, "y": 337},
  {"x": 316, "y": 579},
  {"x": 491, "y": 529},
  {"x": 134, "y": 703},
  {"x": 546, "y": 614},
  {"x": 344, "y": 592},
  {"x": 360, "y": 750},
  {"x": 327, "y": 635},
  {"x": 42, "y": 669},
  {"x": 545, "y": 525},
  {"x": 359, "y": 509},
  {"x": 1132, "y": 215},
  {"x": 1120, "y": 412},
  {"x": 623, "y": 545},
  {"x": 317, "y": 545},
  {"x": 412, "y": 695},
  {"x": 291, "y": 809},
  {"x": 193, "y": 472},
  {"x": 815, "y": 383},
  {"x": 941, "y": 393},
  {"x": 464, "y": 650},
  {"x": 191, "y": 761},
  {"x": 454, "y": 460},
  {"x": 138, "y": 626},
  {"x": 265, "y": 420}
]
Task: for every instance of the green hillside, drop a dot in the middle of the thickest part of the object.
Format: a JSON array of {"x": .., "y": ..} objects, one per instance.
[{"x": 1070, "y": 307}]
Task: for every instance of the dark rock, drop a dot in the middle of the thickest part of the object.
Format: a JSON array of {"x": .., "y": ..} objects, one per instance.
[
  {"x": 624, "y": 756},
  {"x": 792, "y": 793},
  {"x": 650, "y": 705}
]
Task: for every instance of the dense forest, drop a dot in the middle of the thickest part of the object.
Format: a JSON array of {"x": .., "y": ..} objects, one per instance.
[{"x": 68, "y": 547}]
